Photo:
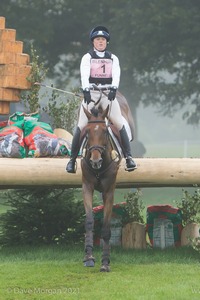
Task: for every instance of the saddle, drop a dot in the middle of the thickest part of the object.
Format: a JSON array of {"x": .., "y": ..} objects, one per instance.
[{"x": 126, "y": 113}]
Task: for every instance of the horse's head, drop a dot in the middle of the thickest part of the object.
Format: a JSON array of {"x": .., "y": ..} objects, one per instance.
[{"x": 97, "y": 136}]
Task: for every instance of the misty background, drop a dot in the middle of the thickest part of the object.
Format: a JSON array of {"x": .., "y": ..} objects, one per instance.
[
  {"x": 151, "y": 39},
  {"x": 165, "y": 136}
]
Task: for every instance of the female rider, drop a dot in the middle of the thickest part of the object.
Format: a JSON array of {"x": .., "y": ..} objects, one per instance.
[{"x": 100, "y": 70}]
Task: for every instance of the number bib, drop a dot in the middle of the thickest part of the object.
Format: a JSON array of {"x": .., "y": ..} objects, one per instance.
[{"x": 101, "y": 68}]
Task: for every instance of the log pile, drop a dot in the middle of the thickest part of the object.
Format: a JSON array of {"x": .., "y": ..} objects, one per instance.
[{"x": 14, "y": 68}]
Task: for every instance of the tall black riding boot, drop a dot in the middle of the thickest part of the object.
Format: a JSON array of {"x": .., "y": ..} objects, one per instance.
[
  {"x": 70, "y": 168},
  {"x": 130, "y": 164}
]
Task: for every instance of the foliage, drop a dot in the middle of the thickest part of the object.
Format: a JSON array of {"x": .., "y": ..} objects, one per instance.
[
  {"x": 134, "y": 208},
  {"x": 42, "y": 216},
  {"x": 190, "y": 207},
  {"x": 196, "y": 244},
  {"x": 38, "y": 73},
  {"x": 62, "y": 113}
]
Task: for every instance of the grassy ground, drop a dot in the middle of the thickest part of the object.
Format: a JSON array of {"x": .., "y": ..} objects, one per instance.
[
  {"x": 58, "y": 273},
  {"x": 3, "y": 206},
  {"x": 172, "y": 150}
]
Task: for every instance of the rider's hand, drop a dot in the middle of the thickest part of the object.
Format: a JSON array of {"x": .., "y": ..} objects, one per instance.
[
  {"x": 87, "y": 96},
  {"x": 112, "y": 93}
]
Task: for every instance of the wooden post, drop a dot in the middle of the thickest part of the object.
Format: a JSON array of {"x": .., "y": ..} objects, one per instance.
[
  {"x": 190, "y": 234},
  {"x": 134, "y": 236}
]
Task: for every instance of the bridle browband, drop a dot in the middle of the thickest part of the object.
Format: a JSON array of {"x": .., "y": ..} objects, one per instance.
[{"x": 99, "y": 148}]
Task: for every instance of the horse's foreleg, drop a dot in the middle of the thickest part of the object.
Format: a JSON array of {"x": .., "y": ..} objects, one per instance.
[
  {"x": 106, "y": 231},
  {"x": 89, "y": 226}
]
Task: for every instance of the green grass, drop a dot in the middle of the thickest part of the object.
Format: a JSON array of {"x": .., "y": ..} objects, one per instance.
[
  {"x": 3, "y": 206},
  {"x": 58, "y": 273},
  {"x": 172, "y": 150}
]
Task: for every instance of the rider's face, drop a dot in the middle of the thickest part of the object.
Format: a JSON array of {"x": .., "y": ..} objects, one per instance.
[{"x": 100, "y": 43}]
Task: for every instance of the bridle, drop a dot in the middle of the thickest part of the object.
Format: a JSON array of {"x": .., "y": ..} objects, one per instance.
[
  {"x": 98, "y": 173},
  {"x": 99, "y": 148}
]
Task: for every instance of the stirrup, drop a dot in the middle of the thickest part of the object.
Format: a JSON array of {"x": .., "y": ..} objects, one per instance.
[{"x": 130, "y": 168}]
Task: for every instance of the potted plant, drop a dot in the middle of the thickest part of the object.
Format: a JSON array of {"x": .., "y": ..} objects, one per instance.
[
  {"x": 190, "y": 208},
  {"x": 133, "y": 231}
]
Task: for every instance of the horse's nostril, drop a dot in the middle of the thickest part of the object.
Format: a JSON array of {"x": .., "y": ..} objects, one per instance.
[{"x": 96, "y": 164}]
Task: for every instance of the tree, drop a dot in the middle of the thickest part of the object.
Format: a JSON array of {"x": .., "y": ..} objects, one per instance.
[
  {"x": 162, "y": 40},
  {"x": 42, "y": 216},
  {"x": 157, "y": 42}
]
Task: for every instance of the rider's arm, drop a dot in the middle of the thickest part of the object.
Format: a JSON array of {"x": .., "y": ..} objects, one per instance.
[
  {"x": 115, "y": 71},
  {"x": 85, "y": 71}
]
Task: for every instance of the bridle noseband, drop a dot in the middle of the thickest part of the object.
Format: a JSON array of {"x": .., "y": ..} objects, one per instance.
[{"x": 99, "y": 148}]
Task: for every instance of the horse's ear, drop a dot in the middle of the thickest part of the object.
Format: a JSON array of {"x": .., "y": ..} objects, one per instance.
[
  {"x": 88, "y": 114},
  {"x": 105, "y": 112}
]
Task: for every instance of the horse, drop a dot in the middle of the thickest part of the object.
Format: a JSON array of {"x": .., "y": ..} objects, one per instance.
[{"x": 99, "y": 164}]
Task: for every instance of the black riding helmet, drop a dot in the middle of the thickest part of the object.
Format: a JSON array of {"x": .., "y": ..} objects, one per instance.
[{"x": 100, "y": 31}]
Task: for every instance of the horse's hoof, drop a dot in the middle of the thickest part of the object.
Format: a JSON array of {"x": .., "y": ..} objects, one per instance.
[
  {"x": 89, "y": 261},
  {"x": 105, "y": 268}
]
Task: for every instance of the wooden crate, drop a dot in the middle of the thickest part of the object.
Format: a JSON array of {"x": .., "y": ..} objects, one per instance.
[
  {"x": 4, "y": 108},
  {"x": 7, "y": 94},
  {"x": 14, "y": 68}
]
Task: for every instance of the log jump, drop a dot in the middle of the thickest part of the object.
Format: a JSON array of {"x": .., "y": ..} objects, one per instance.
[{"x": 50, "y": 172}]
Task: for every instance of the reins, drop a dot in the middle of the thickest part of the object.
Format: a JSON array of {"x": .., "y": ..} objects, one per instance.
[{"x": 98, "y": 101}]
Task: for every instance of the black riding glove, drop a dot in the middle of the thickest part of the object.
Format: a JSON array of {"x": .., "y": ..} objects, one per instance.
[
  {"x": 87, "y": 96},
  {"x": 112, "y": 93}
]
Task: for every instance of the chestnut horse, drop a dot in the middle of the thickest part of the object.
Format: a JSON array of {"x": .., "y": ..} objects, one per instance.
[{"x": 100, "y": 164}]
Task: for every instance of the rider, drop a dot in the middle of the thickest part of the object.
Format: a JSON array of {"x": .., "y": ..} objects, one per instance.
[{"x": 100, "y": 69}]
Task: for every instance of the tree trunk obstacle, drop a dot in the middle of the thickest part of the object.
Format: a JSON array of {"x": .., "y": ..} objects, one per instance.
[
  {"x": 14, "y": 68},
  {"x": 190, "y": 235},
  {"x": 151, "y": 172},
  {"x": 134, "y": 236}
]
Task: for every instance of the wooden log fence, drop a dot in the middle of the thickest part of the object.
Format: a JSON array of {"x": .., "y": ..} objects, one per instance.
[{"x": 151, "y": 172}]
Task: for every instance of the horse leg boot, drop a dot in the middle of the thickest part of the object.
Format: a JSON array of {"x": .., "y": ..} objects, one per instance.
[
  {"x": 130, "y": 164},
  {"x": 70, "y": 168},
  {"x": 106, "y": 234},
  {"x": 89, "y": 260}
]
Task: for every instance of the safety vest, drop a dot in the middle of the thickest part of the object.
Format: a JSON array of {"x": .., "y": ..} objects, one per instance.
[{"x": 100, "y": 68}]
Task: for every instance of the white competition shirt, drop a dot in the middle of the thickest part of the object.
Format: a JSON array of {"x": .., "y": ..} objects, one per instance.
[{"x": 86, "y": 65}]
